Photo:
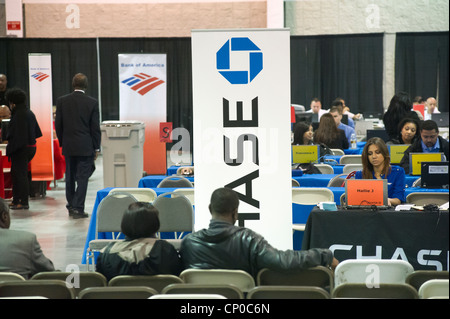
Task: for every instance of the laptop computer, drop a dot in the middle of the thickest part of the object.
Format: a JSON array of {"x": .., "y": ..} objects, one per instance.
[
  {"x": 396, "y": 151},
  {"x": 440, "y": 118},
  {"x": 366, "y": 193},
  {"x": 434, "y": 175},
  {"x": 415, "y": 160},
  {"x": 378, "y": 133},
  {"x": 305, "y": 153}
]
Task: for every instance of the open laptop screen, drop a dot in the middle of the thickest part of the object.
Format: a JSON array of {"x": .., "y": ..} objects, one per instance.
[
  {"x": 366, "y": 192},
  {"x": 396, "y": 151}
]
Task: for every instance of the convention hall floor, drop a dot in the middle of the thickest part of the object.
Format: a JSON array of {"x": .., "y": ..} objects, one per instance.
[{"x": 62, "y": 238}]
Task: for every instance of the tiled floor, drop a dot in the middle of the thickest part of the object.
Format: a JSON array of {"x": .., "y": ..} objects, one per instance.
[{"x": 62, "y": 238}]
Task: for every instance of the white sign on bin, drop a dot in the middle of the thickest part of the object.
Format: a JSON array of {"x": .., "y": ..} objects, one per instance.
[{"x": 123, "y": 156}]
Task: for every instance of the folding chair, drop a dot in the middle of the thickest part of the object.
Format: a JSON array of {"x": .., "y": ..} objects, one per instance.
[
  {"x": 117, "y": 293},
  {"x": 350, "y": 159},
  {"x": 175, "y": 182},
  {"x": 425, "y": 198},
  {"x": 434, "y": 289},
  {"x": 239, "y": 278},
  {"x": 141, "y": 194},
  {"x": 288, "y": 292},
  {"x": 10, "y": 276},
  {"x": 376, "y": 271},
  {"x": 325, "y": 168},
  {"x": 176, "y": 213},
  {"x": 418, "y": 277},
  {"x": 78, "y": 280},
  {"x": 384, "y": 291},
  {"x": 348, "y": 168},
  {"x": 51, "y": 289},
  {"x": 156, "y": 282},
  {"x": 226, "y": 290},
  {"x": 109, "y": 218},
  {"x": 318, "y": 276}
]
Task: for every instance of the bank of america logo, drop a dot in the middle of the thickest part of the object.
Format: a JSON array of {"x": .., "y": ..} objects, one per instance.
[
  {"x": 40, "y": 76},
  {"x": 142, "y": 83}
]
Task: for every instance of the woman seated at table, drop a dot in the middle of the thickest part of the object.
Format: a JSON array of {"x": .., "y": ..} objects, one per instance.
[
  {"x": 141, "y": 253},
  {"x": 329, "y": 134},
  {"x": 408, "y": 132},
  {"x": 303, "y": 135},
  {"x": 376, "y": 165}
]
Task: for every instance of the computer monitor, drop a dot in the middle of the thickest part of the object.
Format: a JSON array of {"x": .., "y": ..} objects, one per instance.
[
  {"x": 440, "y": 118},
  {"x": 303, "y": 117},
  {"x": 381, "y": 133},
  {"x": 434, "y": 175}
]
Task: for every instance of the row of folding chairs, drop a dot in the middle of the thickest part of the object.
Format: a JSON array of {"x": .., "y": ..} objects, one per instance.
[{"x": 351, "y": 279}]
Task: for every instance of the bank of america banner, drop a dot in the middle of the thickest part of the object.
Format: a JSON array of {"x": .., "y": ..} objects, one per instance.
[
  {"x": 241, "y": 120},
  {"x": 142, "y": 92},
  {"x": 40, "y": 101}
]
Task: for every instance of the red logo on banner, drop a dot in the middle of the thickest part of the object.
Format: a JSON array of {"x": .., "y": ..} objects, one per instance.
[
  {"x": 142, "y": 83},
  {"x": 165, "y": 132},
  {"x": 13, "y": 25},
  {"x": 40, "y": 76}
]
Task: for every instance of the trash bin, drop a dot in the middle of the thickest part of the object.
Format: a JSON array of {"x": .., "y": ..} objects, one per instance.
[{"x": 123, "y": 153}]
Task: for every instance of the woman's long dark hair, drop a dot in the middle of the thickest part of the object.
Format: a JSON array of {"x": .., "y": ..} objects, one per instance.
[
  {"x": 327, "y": 131},
  {"x": 367, "y": 171},
  {"x": 299, "y": 130}
]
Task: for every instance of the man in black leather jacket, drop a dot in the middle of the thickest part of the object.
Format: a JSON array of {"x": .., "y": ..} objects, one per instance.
[{"x": 225, "y": 246}]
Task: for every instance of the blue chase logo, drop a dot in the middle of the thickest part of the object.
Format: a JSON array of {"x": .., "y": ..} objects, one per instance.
[{"x": 255, "y": 58}]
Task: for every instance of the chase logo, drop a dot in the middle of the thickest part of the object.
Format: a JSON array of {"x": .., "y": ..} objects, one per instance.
[
  {"x": 39, "y": 76},
  {"x": 142, "y": 83},
  {"x": 254, "y": 58}
]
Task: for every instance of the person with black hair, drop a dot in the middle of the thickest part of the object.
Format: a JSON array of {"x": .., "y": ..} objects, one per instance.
[
  {"x": 225, "y": 246},
  {"x": 408, "y": 132},
  {"x": 399, "y": 107},
  {"x": 141, "y": 253},
  {"x": 429, "y": 142},
  {"x": 22, "y": 134}
]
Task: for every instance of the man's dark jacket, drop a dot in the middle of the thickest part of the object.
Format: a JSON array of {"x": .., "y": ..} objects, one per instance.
[
  {"x": 225, "y": 246},
  {"x": 77, "y": 124}
]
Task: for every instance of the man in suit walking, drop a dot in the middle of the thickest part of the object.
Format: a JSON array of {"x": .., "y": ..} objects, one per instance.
[
  {"x": 78, "y": 130},
  {"x": 20, "y": 251}
]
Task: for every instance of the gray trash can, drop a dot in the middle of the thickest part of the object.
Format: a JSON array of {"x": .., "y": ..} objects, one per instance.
[{"x": 123, "y": 153}]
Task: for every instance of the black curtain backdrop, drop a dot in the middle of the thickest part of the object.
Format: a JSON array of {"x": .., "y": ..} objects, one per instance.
[
  {"x": 69, "y": 56},
  {"x": 346, "y": 66},
  {"x": 421, "y": 65}
]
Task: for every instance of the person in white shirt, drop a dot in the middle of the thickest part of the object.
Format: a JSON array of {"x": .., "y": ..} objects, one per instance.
[
  {"x": 430, "y": 108},
  {"x": 316, "y": 107}
]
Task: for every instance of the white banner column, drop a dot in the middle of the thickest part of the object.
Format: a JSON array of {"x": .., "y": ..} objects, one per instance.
[
  {"x": 143, "y": 97},
  {"x": 241, "y": 118},
  {"x": 41, "y": 103}
]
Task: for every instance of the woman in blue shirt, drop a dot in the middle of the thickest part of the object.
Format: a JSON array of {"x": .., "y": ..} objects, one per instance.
[{"x": 377, "y": 165}]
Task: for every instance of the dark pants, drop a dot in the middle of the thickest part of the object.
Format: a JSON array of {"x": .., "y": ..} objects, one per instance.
[
  {"x": 20, "y": 177},
  {"x": 78, "y": 171}
]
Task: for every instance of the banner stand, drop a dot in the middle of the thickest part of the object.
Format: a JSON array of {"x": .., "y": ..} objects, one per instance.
[
  {"x": 143, "y": 97},
  {"x": 40, "y": 102}
]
